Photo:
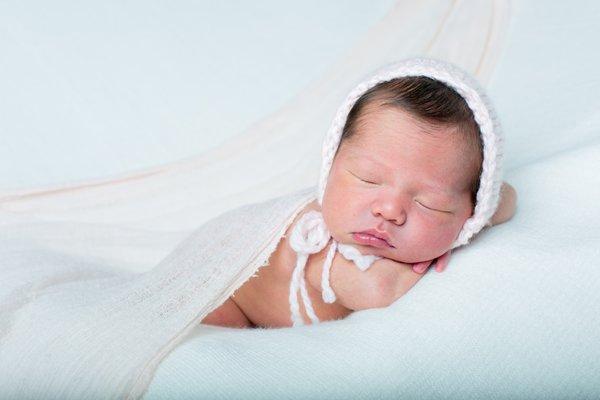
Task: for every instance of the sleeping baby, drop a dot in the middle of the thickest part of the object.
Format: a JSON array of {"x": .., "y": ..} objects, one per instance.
[{"x": 411, "y": 173}]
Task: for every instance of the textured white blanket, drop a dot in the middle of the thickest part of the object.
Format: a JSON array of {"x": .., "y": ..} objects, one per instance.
[{"x": 72, "y": 330}]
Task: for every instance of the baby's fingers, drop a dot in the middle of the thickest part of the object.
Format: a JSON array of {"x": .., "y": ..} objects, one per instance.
[
  {"x": 421, "y": 267},
  {"x": 443, "y": 261}
]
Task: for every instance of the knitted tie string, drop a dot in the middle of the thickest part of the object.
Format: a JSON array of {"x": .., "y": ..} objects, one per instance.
[{"x": 310, "y": 236}]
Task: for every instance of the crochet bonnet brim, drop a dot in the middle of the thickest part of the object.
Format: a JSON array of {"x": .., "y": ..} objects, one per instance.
[{"x": 488, "y": 195}]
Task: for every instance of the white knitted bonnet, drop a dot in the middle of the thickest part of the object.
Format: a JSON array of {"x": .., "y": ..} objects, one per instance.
[{"x": 488, "y": 195}]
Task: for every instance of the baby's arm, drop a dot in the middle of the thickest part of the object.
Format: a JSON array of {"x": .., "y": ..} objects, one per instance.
[{"x": 379, "y": 286}]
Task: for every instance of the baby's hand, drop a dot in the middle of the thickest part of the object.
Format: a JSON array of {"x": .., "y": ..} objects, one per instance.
[{"x": 440, "y": 265}]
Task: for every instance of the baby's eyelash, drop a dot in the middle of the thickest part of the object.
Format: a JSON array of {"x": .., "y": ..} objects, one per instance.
[
  {"x": 421, "y": 204},
  {"x": 358, "y": 177},
  {"x": 433, "y": 209}
]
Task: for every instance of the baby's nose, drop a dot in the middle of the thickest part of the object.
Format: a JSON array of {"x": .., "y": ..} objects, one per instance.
[{"x": 391, "y": 208}]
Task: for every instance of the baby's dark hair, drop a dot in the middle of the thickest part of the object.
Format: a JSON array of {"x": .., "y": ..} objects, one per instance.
[{"x": 430, "y": 101}]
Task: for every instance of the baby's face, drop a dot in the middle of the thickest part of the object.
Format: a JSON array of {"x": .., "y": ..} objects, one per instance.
[{"x": 393, "y": 177}]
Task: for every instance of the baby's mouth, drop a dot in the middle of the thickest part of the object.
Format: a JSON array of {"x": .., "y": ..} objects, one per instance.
[{"x": 368, "y": 239}]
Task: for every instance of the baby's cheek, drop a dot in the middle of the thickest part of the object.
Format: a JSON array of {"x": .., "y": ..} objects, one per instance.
[
  {"x": 335, "y": 211},
  {"x": 426, "y": 243},
  {"x": 439, "y": 240},
  {"x": 335, "y": 223},
  {"x": 330, "y": 216}
]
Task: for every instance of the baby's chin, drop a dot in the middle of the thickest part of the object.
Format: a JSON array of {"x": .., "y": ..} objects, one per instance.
[{"x": 391, "y": 253}]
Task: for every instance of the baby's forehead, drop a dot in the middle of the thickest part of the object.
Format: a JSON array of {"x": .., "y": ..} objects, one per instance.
[
  {"x": 393, "y": 132},
  {"x": 453, "y": 176},
  {"x": 374, "y": 132},
  {"x": 375, "y": 110}
]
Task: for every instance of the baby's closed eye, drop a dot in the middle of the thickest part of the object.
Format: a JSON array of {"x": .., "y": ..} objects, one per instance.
[
  {"x": 366, "y": 180},
  {"x": 428, "y": 206},
  {"x": 433, "y": 208}
]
